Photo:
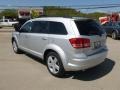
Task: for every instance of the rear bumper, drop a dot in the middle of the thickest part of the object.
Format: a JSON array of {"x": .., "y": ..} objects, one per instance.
[{"x": 89, "y": 62}]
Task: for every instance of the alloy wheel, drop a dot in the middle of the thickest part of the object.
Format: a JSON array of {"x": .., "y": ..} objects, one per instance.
[{"x": 53, "y": 64}]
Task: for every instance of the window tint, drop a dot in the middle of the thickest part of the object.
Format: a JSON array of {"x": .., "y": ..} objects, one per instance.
[
  {"x": 6, "y": 20},
  {"x": 115, "y": 24},
  {"x": 40, "y": 27},
  {"x": 110, "y": 24},
  {"x": 89, "y": 27},
  {"x": 119, "y": 24},
  {"x": 106, "y": 24},
  {"x": 26, "y": 27},
  {"x": 57, "y": 28}
]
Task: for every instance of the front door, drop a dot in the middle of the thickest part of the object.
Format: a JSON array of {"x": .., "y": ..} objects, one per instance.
[
  {"x": 23, "y": 35},
  {"x": 38, "y": 37}
]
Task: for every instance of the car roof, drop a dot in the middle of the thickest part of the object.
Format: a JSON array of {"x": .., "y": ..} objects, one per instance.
[{"x": 58, "y": 18}]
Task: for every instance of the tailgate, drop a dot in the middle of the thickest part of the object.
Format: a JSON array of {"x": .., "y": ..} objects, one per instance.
[
  {"x": 91, "y": 30},
  {"x": 97, "y": 43}
]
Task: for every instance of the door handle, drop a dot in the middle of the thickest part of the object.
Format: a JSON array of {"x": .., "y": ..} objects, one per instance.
[{"x": 44, "y": 38}]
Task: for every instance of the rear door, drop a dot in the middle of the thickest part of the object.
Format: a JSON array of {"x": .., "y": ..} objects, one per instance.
[{"x": 91, "y": 30}]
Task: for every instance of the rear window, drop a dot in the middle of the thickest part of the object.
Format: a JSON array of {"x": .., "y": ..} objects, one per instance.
[{"x": 89, "y": 27}]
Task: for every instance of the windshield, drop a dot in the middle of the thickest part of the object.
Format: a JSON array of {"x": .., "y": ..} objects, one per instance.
[{"x": 89, "y": 27}]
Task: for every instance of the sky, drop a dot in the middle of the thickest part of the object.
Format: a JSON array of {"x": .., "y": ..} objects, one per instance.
[{"x": 62, "y": 3}]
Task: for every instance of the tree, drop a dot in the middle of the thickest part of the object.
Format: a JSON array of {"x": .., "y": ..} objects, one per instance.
[
  {"x": 59, "y": 11},
  {"x": 35, "y": 13},
  {"x": 9, "y": 13}
]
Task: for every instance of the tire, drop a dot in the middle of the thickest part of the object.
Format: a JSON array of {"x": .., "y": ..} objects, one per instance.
[
  {"x": 114, "y": 35},
  {"x": 54, "y": 64},
  {"x": 15, "y": 47}
]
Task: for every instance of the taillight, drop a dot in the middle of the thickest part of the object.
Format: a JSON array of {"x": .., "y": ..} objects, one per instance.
[{"x": 80, "y": 42}]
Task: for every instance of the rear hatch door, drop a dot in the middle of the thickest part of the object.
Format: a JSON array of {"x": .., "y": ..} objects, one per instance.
[{"x": 91, "y": 30}]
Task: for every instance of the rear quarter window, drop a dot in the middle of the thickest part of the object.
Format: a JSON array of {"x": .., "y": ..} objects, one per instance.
[{"x": 89, "y": 27}]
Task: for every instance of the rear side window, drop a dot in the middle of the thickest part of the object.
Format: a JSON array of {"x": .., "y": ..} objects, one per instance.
[
  {"x": 40, "y": 27},
  {"x": 89, "y": 27},
  {"x": 57, "y": 28}
]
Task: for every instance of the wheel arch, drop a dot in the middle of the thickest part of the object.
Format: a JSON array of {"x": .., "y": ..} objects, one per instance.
[
  {"x": 115, "y": 30},
  {"x": 15, "y": 38},
  {"x": 58, "y": 50}
]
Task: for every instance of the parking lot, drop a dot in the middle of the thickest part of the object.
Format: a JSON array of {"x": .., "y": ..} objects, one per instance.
[{"x": 25, "y": 72}]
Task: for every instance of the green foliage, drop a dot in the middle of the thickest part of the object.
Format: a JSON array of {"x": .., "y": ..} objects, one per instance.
[
  {"x": 57, "y": 11},
  {"x": 96, "y": 15},
  {"x": 11, "y": 13},
  {"x": 69, "y": 12},
  {"x": 54, "y": 11},
  {"x": 35, "y": 14}
]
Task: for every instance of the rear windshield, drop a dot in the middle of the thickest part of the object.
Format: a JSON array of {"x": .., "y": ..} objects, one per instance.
[{"x": 89, "y": 27}]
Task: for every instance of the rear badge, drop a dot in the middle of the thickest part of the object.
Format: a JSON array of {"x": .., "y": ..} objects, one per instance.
[{"x": 97, "y": 45}]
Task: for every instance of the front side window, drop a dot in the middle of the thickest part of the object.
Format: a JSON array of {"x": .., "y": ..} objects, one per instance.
[
  {"x": 106, "y": 24},
  {"x": 40, "y": 27},
  {"x": 116, "y": 24},
  {"x": 6, "y": 20},
  {"x": 26, "y": 28},
  {"x": 57, "y": 28},
  {"x": 110, "y": 24}
]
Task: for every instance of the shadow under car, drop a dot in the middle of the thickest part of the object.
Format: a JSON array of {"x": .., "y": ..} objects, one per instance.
[
  {"x": 87, "y": 75},
  {"x": 93, "y": 73}
]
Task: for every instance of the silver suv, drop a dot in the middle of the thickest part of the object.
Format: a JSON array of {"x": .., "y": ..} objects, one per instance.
[{"x": 65, "y": 44}]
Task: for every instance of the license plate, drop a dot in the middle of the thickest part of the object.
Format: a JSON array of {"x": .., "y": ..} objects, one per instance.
[{"x": 97, "y": 45}]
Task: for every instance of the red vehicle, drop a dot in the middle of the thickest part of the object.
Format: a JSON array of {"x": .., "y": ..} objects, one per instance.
[
  {"x": 104, "y": 20},
  {"x": 24, "y": 14},
  {"x": 110, "y": 18}
]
